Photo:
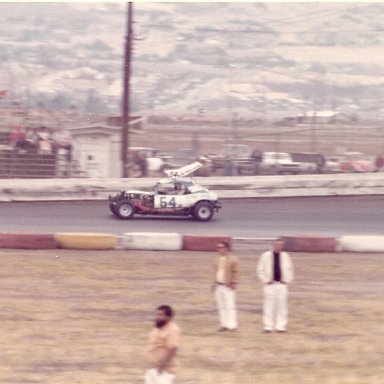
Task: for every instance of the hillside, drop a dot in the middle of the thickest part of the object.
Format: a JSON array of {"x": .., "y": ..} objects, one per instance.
[{"x": 257, "y": 60}]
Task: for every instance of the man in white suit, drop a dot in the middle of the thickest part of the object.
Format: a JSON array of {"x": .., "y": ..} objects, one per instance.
[{"x": 275, "y": 271}]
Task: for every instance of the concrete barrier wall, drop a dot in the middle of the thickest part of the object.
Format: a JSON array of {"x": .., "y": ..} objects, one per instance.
[
  {"x": 308, "y": 243},
  {"x": 226, "y": 187},
  {"x": 361, "y": 243},
  {"x": 152, "y": 241},
  {"x": 21, "y": 240},
  {"x": 177, "y": 242},
  {"x": 204, "y": 242}
]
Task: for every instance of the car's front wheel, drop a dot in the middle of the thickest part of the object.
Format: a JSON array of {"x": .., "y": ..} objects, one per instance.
[
  {"x": 125, "y": 210},
  {"x": 203, "y": 211}
]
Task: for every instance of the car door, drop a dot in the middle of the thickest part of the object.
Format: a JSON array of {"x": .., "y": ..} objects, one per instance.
[
  {"x": 170, "y": 196},
  {"x": 170, "y": 201}
]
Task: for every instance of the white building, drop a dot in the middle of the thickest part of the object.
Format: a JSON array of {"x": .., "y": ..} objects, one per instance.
[{"x": 97, "y": 149}]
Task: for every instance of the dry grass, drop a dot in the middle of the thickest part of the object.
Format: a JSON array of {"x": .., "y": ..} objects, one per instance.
[{"x": 83, "y": 317}]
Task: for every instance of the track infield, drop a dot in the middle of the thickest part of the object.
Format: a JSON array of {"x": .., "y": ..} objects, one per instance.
[{"x": 84, "y": 316}]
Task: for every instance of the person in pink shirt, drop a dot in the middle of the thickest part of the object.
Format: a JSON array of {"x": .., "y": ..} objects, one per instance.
[
  {"x": 162, "y": 348},
  {"x": 18, "y": 137}
]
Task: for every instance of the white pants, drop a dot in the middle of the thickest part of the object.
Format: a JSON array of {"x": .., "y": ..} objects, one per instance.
[
  {"x": 152, "y": 376},
  {"x": 226, "y": 305},
  {"x": 275, "y": 307}
]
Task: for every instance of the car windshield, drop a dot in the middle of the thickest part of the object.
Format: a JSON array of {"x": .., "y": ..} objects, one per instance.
[
  {"x": 173, "y": 185},
  {"x": 195, "y": 188},
  {"x": 278, "y": 156},
  {"x": 308, "y": 158},
  {"x": 355, "y": 156}
]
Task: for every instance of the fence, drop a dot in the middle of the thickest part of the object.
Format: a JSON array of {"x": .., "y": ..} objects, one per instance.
[
  {"x": 28, "y": 163},
  {"x": 15, "y": 164}
]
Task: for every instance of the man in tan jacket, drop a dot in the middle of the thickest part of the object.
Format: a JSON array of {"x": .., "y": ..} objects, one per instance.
[{"x": 225, "y": 280}]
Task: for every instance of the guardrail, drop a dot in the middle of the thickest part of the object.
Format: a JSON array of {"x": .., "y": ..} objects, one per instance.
[
  {"x": 178, "y": 242},
  {"x": 226, "y": 187}
]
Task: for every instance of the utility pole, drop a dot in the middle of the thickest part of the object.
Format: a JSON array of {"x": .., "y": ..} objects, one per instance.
[
  {"x": 126, "y": 92},
  {"x": 313, "y": 132}
]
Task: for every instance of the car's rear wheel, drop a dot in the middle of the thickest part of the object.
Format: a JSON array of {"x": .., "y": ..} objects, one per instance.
[
  {"x": 124, "y": 210},
  {"x": 203, "y": 211}
]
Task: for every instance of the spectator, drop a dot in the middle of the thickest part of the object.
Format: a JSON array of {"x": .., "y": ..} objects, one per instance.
[
  {"x": 142, "y": 164},
  {"x": 225, "y": 280},
  {"x": 275, "y": 271},
  {"x": 45, "y": 141},
  {"x": 163, "y": 344},
  {"x": 62, "y": 140},
  {"x": 229, "y": 166},
  {"x": 257, "y": 157},
  {"x": 33, "y": 139},
  {"x": 18, "y": 137},
  {"x": 379, "y": 163},
  {"x": 155, "y": 164}
]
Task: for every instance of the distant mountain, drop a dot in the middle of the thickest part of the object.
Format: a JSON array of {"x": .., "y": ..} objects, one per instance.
[{"x": 252, "y": 60}]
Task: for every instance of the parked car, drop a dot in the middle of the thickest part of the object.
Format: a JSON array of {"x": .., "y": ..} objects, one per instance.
[
  {"x": 176, "y": 195},
  {"x": 332, "y": 165},
  {"x": 278, "y": 163},
  {"x": 356, "y": 162},
  {"x": 309, "y": 162},
  {"x": 233, "y": 159},
  {"x": 379, "y": 163}
]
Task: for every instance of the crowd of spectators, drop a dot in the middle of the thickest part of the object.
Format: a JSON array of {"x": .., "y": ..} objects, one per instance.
[{"x": 41, "y": 140}]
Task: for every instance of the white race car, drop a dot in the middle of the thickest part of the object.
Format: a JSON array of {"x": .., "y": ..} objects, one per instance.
[{"x": 176, "y": 195}]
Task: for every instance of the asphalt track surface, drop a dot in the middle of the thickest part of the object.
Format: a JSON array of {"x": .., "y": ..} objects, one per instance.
[{"x": 261, "y": 218}]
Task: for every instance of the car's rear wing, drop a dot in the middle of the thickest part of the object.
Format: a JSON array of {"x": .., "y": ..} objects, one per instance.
[{"x": 184, "y": 171}]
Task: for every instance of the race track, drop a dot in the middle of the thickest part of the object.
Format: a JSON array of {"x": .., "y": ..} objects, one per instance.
[{"x": 333, "y": 216}]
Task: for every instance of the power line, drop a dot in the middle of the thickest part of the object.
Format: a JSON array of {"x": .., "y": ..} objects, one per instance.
[
  {"x": 282, "y": 21},
  {"x": 314, "y": 14}
]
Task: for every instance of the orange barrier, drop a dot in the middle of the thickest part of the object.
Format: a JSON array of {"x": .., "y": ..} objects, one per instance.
[
  {"x": 203, "y": 242},
  {"x": 19, "y": 240},
  {"x": 308, "y": 243},
  {"x": 90, "y": 241}
]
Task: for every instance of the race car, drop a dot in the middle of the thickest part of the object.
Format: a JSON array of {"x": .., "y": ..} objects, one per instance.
[{"x": 176, "y": 195}]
